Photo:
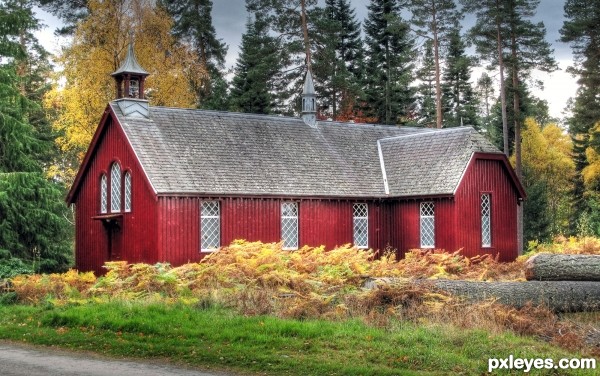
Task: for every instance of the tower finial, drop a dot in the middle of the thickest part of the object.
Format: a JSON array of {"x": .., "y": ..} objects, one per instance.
[{"x": 309, "y": 101}]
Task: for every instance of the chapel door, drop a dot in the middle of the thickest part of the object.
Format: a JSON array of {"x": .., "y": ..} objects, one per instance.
[{"x": 114, "y": 234}]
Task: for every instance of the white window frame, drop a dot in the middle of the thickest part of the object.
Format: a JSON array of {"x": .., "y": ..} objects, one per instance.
[
  {"x": 360, "y": 222},
  {"x": 210, "y": 219},
  {"x": 486, "y": 220},
  {"x": 289, "y": 226},
  {"x": 427, "y": 231},
  {"x": 127, "y": 192},
  {"x": 103, "y": 194},
  {"x": 115, "y": 188}
]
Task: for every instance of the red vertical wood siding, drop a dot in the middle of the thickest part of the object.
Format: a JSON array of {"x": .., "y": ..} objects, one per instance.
[
  {"x": 178, "y": 230},
  {"x": 251, "y": 219},
  {"x": 487, "y": 176},
  {"x": 327, "y": 223},
  {"x": 137, "y": 236}
]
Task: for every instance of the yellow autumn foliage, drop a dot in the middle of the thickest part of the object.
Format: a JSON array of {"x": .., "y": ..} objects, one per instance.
[
  {"x": 591, "y": 173},
  {"x": 98, "y": 47}
]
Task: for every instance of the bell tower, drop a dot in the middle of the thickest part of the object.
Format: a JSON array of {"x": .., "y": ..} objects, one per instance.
[{"x": 130, "y": 77}]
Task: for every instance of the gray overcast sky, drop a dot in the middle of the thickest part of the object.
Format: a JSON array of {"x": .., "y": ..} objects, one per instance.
[{"x": 229, "y": 19}]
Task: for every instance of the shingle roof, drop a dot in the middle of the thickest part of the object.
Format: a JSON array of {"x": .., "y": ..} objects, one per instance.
[
  {"x": 208, "y": 152},
  {"x": 431, "y": 163}
]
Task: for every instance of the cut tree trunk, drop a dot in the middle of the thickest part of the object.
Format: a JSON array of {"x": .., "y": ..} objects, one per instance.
[
  {"x": 558, "y": 296},
  {"x": 556, "y": 267}
]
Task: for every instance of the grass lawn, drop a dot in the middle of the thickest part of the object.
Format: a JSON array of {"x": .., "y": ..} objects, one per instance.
[{"x": 216, "y": 338}]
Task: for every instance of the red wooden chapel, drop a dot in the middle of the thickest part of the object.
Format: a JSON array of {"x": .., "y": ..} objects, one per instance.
[{"x": 171, "y": 185}]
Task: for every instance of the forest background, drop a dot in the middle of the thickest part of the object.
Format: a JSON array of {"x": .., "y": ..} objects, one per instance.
[{"x": 408, "y": 62}]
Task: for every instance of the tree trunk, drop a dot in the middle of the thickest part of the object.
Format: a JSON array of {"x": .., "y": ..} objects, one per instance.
[
  {"x": 438, "y": 84},
  {"x": 517, "y": 123},
  {"x": 558, "y": 296},
  {"x": 555, "y": 267},
  {"x": 502, "y": 85},
  {"x": 305, "y": 33}
]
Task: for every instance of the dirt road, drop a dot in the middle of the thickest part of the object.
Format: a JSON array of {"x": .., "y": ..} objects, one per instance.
[{"x": 21, "y": 360}]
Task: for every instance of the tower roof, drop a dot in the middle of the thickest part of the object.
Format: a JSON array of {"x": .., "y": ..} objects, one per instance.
[
  {"x": 130, "y": 64},
  {"x": 309, "y": 87}
]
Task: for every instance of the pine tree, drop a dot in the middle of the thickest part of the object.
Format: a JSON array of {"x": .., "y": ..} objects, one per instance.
[
  {"x": 460, "y": 103},
  {"x": 257, "y": 70},
  {"x": 488, "y": 35},
  {"x": 426, "y": 90},
  {"x": 193, "y": 25},
  {"x": 528, "y": 50},
  {"x": 389, "y": 67},
  {"x": 297, "y": 34},
  {"x": 581, "y": 31},
  {"x": 34, "y": 227},
  {"x": 437, "y": 20},
  {"x": 69, "y": 11}
]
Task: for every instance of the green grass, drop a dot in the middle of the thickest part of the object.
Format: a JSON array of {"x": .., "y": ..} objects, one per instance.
[{"x": 219, "y": 338}]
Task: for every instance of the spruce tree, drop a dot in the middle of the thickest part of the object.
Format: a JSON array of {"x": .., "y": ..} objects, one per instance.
[
  {"x": 34, "y": 227},
  {"x": 426, "y": 90},
  {"x": 389, "y": 64},
  {"x": 337, "y": 56},
  {"x": 581, "y": 31},
  {"x": 193, "y": 25},
  {"x": 257, "y": 70},
  {"x": 459, "y": 100}
]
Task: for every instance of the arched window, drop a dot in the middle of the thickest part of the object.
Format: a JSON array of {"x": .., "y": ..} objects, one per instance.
[
  {"x": 103, "y": 194},
  {"x": 115, "y": 188},
  {"x": 127, "y": 182}
]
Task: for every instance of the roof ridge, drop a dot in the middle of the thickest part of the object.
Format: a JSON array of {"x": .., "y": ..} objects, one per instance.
[
  {"x": 431, "y": 132},
  {"x": 285, "y": 117}
]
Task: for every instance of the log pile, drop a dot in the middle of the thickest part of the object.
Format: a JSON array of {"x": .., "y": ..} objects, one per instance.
[{"x": 563, "y": 283}]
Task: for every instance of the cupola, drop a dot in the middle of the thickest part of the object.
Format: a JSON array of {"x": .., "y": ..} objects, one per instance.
[
  {"x": 309, "y": 101},
  {"x": 130, "y": 77}
]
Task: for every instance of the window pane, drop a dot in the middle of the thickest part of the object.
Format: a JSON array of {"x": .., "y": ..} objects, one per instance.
[
  {"x": 361, "y": 225},
  {"x": 115, "y": 188},
  {"x": 486, "y": 223},
  {"x": 127, "y": 192},
  {"x": 210, "y": 226},
  {"x": 427, "y": 225},
  {"x": 289, "y": 225},
  {"x": 103, "y": 194}
]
